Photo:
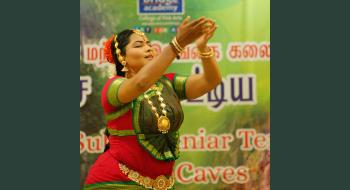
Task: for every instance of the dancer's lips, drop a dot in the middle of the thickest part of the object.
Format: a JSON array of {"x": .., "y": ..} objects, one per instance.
[{"x": 149, "y": 57}]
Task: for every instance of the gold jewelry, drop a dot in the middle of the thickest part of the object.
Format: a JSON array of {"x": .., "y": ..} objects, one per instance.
[
  {"x": 121, "y": 59},
  {"x": 176, "y": 47},
  {"x": 138, "y": 32},
  {"x": 160, "y": 183},
  {"x": 163, "y": 122},
  {"x": 208, "y": 54},
  {"x": 177, "y": 53}
]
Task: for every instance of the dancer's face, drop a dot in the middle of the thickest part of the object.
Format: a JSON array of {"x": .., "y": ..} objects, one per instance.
[{"x": 138, "y": 52}]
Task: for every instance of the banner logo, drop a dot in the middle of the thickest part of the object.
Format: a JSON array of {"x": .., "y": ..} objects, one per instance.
[{"x": 155, "y": 7}]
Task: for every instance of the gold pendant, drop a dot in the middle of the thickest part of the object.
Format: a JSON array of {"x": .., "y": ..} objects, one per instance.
[{"x": 163, "y": 124}]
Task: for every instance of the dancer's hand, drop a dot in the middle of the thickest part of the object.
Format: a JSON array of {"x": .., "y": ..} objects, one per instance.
[
  {"x": 189, "y": 31},
  {"x": 208, "y": 32}
]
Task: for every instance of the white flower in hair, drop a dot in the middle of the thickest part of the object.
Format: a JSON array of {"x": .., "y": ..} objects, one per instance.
[{"x": 111, "y": 71}]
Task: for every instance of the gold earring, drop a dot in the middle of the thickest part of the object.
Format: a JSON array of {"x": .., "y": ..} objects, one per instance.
[
  {"x": 123, "y": 62},
  {"x": 125, "y": 69}
]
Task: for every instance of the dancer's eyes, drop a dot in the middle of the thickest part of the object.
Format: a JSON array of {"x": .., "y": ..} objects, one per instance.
[{"x": 139, "y": 44}]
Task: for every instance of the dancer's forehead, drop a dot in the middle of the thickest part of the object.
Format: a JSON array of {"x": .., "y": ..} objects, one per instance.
[{"x": 135, "y": 38}]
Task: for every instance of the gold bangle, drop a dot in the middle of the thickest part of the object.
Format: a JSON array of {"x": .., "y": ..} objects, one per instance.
[
  {"x": 208, "y": 54},
  {"x": 176, "y": 51},
  {"x": 177, "y": 45}
]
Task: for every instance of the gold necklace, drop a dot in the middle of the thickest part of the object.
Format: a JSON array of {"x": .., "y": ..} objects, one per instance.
[{"x": 163, "y": 121}]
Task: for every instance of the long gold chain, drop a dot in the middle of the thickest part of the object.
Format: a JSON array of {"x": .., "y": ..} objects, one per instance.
[{"x": 163, "y": 124}]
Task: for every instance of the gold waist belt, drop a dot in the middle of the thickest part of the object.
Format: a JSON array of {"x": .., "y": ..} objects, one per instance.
[{"x": 160, "y": 183}]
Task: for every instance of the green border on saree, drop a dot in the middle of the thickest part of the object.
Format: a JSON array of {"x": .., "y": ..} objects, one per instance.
[
  {"x": 120, "y": 112},
  {"x": 112, "y": 92},
  {"x": 167, "y": 156},
  {"x": 179, "y": 84},
  {"x": 166, "y": 80},
  {"x": 117, "y": 132},
  {"x": 114, "y": 185}
]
